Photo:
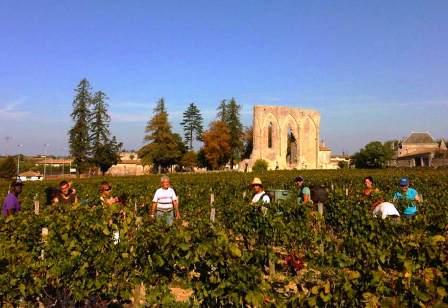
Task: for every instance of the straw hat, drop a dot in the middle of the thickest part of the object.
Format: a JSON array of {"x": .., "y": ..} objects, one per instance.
[{"x": 256, "y": 181}]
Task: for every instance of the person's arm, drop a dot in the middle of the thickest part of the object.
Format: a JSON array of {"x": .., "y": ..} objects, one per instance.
[
  {"x": 417, "y": 197},
  {"x": 176, "y": 209}
]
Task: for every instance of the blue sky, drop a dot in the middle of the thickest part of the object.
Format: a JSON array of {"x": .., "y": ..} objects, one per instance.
[{"x": 375, "y": 70}]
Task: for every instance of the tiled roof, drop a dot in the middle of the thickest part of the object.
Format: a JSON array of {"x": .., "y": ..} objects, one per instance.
[
  {"x": 418, "y": 138},
  {"x": 30, "y": 174}
]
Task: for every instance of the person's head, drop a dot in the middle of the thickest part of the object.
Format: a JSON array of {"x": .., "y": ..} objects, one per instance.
[
  {"x": 404, "y": 184},
  {"x": 299, "y": 181},
  {"x": 165, "y": 182},
  {"x": 368, "y": 182},
  {"x": 105, "y": 188},
  {"x": 64, "y": 187},
  {"x": 16, "y": 187},
  {"x": 257, "y": 185}
]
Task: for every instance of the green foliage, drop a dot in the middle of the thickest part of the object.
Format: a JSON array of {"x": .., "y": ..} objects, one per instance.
[
  {"x": 8, "y": 168},
  {"x": 189, "y": 160},
  {"x": 260, "y": 165},
  {"x": 79, "y": 139},
  {"x": 90, "y": 140},
  {"x": 373, "y": 155},
  {"x": 229, "y": 113},
  {"x": 248, "y": 142},
  {"x": 164, "y": 148},
  {"x": 192, "y": 124},
  {"x": 351, "y": 258},
  {"x": 105, "y": 150}
]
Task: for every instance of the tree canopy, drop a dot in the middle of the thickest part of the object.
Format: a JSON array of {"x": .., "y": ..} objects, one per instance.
[
  {"x": 163, "y": 148},
  {"x": 192, "y": 124},
  {"x": 217, "y": 148},
  {"x": 374, "y": 155}
]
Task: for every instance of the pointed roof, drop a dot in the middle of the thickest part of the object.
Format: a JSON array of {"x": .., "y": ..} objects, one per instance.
[{"x": 418, "y": 138}]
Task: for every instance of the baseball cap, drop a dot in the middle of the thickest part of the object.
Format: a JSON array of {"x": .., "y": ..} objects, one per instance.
[{"x": 404, "y": 182}]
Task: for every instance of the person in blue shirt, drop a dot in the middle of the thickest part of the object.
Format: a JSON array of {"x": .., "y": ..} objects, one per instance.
[
  {"x": 304, "y": 193},
  {"x": 408, "y": 195}
]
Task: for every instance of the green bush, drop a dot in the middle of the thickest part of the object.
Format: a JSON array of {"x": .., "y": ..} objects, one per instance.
[{"x": 260, "y": 165}]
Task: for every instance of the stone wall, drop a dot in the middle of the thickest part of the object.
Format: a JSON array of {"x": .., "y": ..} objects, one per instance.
[{"x": 286, "y": 138}]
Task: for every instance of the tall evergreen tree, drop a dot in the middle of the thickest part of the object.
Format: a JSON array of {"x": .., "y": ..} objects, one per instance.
[
  {"x": 192, "y": 123},
  {"x": 99, "y": 121},
  {"x": 79, "y": 140},
  {"x": 105, "y": 150},
  {"x": 222, "y": 111},
  {"x": 236, "y": 130},
  {"x": 163, "y": 148}
]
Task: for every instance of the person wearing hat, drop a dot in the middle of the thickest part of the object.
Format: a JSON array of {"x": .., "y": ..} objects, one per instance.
[
  {"x": 304, "y": 193},
  {"x": 408, "y": 195},
  {"x": 259, "y": 194},
  {"x": 11, "y": 205}
]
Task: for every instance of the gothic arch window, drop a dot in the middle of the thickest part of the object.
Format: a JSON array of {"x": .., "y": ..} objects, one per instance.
[{"x": 270, "y": 135}]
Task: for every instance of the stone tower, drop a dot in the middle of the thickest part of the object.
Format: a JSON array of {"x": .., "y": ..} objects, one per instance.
[{"x": 286, "y": 138}]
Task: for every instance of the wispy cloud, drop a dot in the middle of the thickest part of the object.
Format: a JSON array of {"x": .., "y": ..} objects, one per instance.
[{"x": 12, "y": 110}]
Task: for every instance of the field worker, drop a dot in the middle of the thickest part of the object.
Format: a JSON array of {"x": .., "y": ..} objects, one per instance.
[
  {"x": 106, "y": 194},
  {"x": 369, "y": 187},
  {"x": 304, "y": 193},
  {"x": 409, "y": 195},
  {"x": 165, "y": 202},
  {"x": 259, "y": 194},
  {"x": 385, "y": 209},
  {"x": 370, "y": 192},
  {"x": 11, "y": 205},
  {"x": 64, "y": 196}
]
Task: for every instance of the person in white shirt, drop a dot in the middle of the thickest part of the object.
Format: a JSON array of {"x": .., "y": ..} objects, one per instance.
[
  {"x": 165, "y": 202},
  {"x": 385, "y": 209},
  {"x": 259, "y": 194}
]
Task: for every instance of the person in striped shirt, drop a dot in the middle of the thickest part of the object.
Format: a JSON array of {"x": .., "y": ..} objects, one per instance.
[{"x": 165, "y": 204}]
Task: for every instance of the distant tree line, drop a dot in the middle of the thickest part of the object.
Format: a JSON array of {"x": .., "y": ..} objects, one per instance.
[{"x": 225, "y": 141}]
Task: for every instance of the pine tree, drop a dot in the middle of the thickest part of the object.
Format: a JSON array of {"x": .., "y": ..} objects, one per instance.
[
  {"x": 100, "y": 119},
  {"x": 105, "y": 151},
  {"x": 192, "y": 123},
  {"x": 163, "y": 148},
  {"x": 236, "y": 130},
  {"x": 222, "y": 111},
  {"x": 79, "y": 134}
]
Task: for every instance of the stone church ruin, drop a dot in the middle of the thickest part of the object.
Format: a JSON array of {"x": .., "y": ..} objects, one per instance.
[{"x": 288, "y": 138}]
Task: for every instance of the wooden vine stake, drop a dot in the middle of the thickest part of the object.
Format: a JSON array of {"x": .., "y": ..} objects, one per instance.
[{"x": 212, "y": 211}]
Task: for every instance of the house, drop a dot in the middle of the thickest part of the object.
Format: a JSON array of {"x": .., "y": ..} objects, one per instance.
[
  {"x": 420, "y": 149},
  {"x": 30, "y": 176},
  {"x": 130, "y": 164},
  {"x": 325, "y": 157}
]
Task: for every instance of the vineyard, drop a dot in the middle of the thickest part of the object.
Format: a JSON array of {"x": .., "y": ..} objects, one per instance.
[{"x": 288, "y": 256}]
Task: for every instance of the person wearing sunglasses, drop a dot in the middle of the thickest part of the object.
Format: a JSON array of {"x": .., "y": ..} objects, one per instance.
[
  {"x": 106, "y": 194},
  {"x": 409, "y": 196}
]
